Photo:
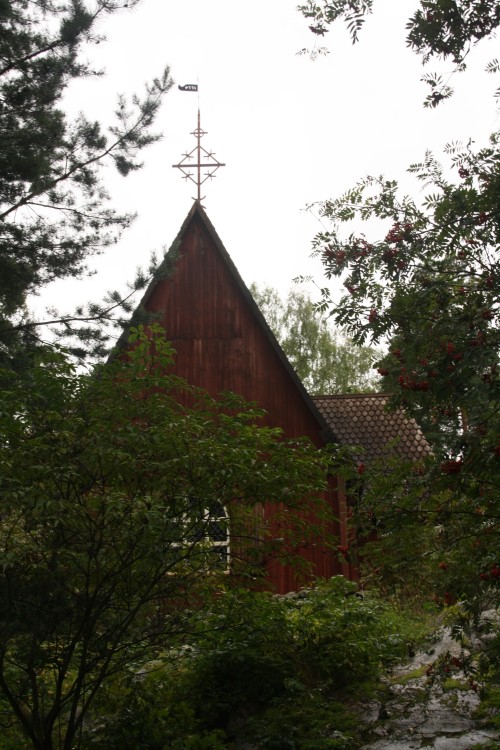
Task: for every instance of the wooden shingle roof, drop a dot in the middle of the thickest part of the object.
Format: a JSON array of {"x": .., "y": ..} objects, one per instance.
[{"x": 364, "y": 421}]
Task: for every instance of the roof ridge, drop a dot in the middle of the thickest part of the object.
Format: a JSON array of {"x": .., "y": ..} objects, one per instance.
[{"x": 352, "y": 395}]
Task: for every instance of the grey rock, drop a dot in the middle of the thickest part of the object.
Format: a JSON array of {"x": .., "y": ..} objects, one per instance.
[
  {"x": 386, "y": 744},
  {"x": 442, "y": 720},
  {"x": 466, "y": 742},
  {"x": 369, "y": 711},
  {"x": 421, "y": 716}
]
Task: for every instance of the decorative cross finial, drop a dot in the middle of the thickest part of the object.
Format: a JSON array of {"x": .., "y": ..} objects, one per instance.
[{"x": 209, "y": 162}]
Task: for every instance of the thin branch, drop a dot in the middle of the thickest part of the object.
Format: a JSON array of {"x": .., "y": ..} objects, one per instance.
[
  {"x": 103, "y": 315},
  {"x": 77, "y": 167}
]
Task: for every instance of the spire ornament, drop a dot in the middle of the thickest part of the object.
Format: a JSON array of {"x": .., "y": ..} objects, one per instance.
[{"x": 204, "y": 160}]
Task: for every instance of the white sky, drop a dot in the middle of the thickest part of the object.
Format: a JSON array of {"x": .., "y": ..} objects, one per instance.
[{"x": 290, "y": 130}]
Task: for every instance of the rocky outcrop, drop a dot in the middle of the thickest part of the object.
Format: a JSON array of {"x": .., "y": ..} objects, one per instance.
[{"x": 420, "y": 715}]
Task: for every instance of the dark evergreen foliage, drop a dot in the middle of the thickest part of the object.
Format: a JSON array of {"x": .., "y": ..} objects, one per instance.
[{"x": 54, "y": 209}]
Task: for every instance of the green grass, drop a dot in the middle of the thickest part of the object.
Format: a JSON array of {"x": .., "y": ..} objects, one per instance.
[{"x": 415, "y": 674}]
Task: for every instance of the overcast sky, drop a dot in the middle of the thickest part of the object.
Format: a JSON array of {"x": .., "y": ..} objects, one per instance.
[{"x": 290, "y": 130}]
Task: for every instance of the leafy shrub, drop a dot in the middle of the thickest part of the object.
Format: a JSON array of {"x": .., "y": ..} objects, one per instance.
[
  {"x": 340, "y": 636},
  {"x": 271, "y": 670},
  {"x": 311, "y": 720},
  {"x": 145, "y": 713}
]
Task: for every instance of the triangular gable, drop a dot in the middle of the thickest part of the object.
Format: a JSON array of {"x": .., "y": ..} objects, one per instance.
[{"x": 223, "y": 341}]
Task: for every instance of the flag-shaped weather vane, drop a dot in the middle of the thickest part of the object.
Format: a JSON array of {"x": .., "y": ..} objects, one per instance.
[{"x": 204, "y": 160}]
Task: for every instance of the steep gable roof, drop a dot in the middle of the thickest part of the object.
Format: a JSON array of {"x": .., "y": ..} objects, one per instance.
[
  {"x": 167, "y": 270},
  {"x": 364, "y": 421},
  {"x": 355, "y": 419}
]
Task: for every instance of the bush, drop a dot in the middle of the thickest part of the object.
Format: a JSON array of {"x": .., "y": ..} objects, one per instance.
[
  {"x": 144, "y": 712},
  {"x": 265, "y": 669}
]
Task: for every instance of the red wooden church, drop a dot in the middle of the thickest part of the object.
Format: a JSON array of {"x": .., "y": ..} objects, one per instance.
[{"x": 223, "y": 343}]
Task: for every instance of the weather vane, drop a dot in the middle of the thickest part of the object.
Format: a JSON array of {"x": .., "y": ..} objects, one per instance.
[{"x": 205, "y": 160}]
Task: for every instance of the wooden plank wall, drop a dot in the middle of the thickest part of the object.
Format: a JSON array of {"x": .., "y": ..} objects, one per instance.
[{"x": 221, "y": 346}]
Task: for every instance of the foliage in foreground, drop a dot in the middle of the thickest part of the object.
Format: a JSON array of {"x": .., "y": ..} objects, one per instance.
[
  {"x": 274, "y": 676},
  {"x": 111, "y": 495},
  {"x": 429, "y": 286},
  {"x": 446, "y": 29},
  {"x": 423, "y": 276}
]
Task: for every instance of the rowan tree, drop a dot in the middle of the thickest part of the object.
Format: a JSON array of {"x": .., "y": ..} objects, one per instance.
[
  {"x": 427, "y": 284},
  {"x": 424, "y": 278},
  {"x": 54, "y": 210},
  {"x": 111, "y": 533},
  {"x": 446, "y": 29},
  {"x": 325, "y": 360}
]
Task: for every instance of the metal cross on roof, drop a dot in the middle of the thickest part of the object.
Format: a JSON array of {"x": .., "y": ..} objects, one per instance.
[{"x": 210, "y": 163}]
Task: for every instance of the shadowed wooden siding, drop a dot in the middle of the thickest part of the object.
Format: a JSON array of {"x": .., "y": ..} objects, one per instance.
[{"x": 221, "y": 345}]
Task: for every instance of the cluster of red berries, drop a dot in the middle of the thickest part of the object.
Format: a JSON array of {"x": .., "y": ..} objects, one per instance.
[
  {"x": 411, "y": 383},
  {"x": 447, "y": 600},
  {"x": 333, "y": 254},
  {"x": 343, "y": 550},
  {"x": 478, "y": 340},
  {"x": 399, "y": 232},
  {"x": 394, "y": 235},
  {"x": 390, "y": 254},
  {"x": 493, "y": 574},
  {"x": 360, "y": 249},
  {"x": 447, "y": 412},
  {"x": 490, "y": 281},
  {"x": 452, "y": 466},
  {"x": 463, "y": 173}
]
